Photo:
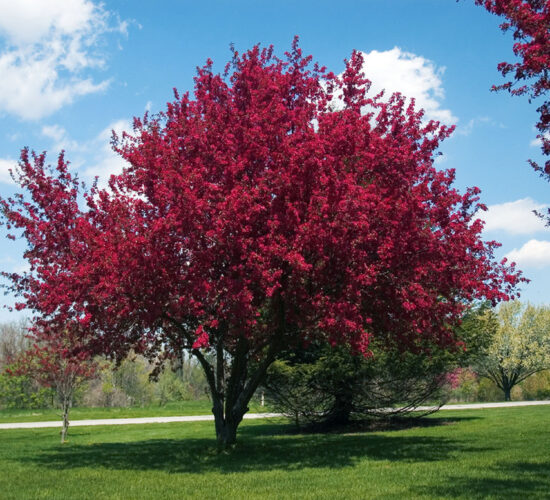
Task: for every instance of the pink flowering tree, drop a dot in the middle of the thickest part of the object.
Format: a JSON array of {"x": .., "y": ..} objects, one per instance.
[
  {"x": 529, "y": 21},
  {"x": 57, "y": 359},
  {"x": 277, "y": 205}
]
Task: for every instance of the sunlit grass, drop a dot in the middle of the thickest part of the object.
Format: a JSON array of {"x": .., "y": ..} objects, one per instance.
[{"x": 496, "y": 453}]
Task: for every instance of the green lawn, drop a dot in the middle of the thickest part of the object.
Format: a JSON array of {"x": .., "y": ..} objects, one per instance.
[
  {"x": 495, "y": 453},
  {"x": 182, "y": 408}
]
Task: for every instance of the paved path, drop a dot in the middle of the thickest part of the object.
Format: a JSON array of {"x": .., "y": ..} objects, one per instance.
[
  {"x": 199, "y": 418},
  {"x": 127, "y": 421}
]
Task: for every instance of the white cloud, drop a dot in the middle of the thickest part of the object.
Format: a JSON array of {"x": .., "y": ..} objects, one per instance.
[
  {"x": 537, "y": 142},
  {"x": 91, "y": 158},
  {"x": 105, "y": 161},
  {"x": 28, "y": 21},
  {"x": 94, "y": 157},
  {"x": 475, "y": 122},
  {"x": 54, "y": 132},
  {"x": 21, "y": 267},
  {"x": 60, "y": 138},
  {"x": 514, "y": 217},
  {"x": 47, "y": 46},
  {"x": 439, "y": 159},
  {"x": 534, "y": 253},
  {"x": 5, "y": 165},
  {"x": 414, "y": 76}
]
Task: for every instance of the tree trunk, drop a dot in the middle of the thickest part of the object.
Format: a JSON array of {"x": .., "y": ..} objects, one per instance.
[
  {"x": 226, "y": 435},
  {"x": 341, "y": 411},
  {"x": 65, "y": 406},
  {"x": 231, "y": 403},
  {"x": 231, "y": 392},
  {"x": 507, "y": 381},
  {"x": 507, "y": 393},
  {"x": 226, "y": 425},
  {"x": 65, "y": 389}
]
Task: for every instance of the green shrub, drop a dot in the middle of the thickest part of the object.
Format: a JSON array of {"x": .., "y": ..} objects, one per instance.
[
  {"x": 537, "y": 386},
  {"x": 466, "y": 386},
  {"x": 22, "y": 392},
  {"x": 488, "y": 391},
  {"x": 170, "y": 388}
]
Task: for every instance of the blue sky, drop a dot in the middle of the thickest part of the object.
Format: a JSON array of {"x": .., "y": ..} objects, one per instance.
[{"x": 72, "y": 70}]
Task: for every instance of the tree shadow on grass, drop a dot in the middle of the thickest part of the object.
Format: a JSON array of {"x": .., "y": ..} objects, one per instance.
[
  {"x": 503, "y": 481},
  {"x": 376, "y": 424},
  {"x": 260, "y": 447}
]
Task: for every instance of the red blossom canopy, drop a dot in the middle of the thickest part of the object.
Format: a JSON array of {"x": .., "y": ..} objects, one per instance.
[{"x": 256, "y": 206}]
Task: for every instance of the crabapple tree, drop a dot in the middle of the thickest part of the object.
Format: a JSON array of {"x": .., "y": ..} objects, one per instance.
[
  {"x": 276, "y": 205},
  {"x": 57, "y": 359}
]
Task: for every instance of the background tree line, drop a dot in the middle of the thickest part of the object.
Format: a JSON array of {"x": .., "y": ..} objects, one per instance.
[
  {"x": 504, "y": 354},
  {"x": 134, "y": 382}
]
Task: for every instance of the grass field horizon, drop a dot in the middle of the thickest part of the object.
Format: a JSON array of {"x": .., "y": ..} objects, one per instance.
[{"x": 493, "y": 453}]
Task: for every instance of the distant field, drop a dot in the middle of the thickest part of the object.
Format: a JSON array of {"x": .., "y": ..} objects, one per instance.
[
  {"x": 494, "y": 453},
  {"x": 171, "y": 409}
]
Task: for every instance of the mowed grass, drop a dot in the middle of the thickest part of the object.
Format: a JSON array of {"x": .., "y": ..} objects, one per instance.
[
  {"x": 200, "y": 407},
  {"x": 493, "y": 453}
]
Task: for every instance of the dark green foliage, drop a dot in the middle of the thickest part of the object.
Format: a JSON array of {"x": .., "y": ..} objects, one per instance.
[
  {"x": 332, "y": 385},
  {"x": 328, "y": 385}
]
